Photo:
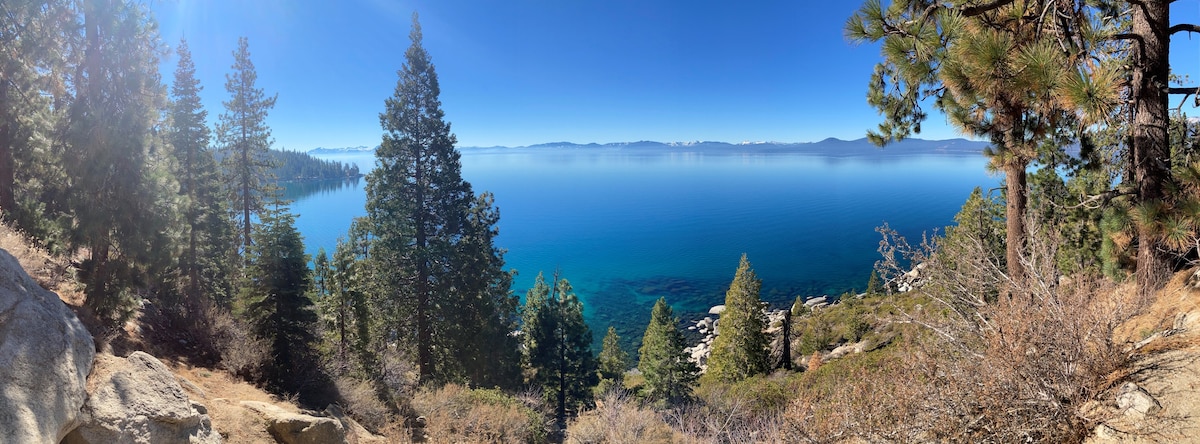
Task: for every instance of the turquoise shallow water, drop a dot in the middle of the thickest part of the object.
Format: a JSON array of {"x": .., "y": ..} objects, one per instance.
[{"x": 626, "y": 229}]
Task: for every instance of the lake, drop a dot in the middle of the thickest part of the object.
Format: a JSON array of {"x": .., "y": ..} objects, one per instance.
[{"x": 628, "y": 227}]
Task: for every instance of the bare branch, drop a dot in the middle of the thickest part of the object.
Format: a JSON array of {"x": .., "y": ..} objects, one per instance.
[
  {"x": 1184, "y": 27},
  {"x": 972, "y": 11}
]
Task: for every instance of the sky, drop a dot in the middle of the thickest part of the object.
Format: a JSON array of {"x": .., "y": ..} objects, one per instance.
[{"x": 522, "y": 72}]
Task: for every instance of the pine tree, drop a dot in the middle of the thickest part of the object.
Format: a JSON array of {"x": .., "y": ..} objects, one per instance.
[
  {"x": 115, "y": 205},
  {"x": 204, "y": 265},
  {"x": 275, "y": 299},
  {"x": 998, "y": 71},
  {"x": 740, "y": 349},
  {"x": 613, "y": 360},
  {"x": 40, "y": 50},
  {"x": 558, "y": 344},
  {"x": 245, "y": 139},
  {"x": 433, "y": 245},
  {"x": 669, "y": 374}
]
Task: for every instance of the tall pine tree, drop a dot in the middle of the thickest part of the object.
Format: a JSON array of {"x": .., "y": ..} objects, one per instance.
[
  {"x": 204, "y": 264},
  {"x": 669, "y": 374},
  {"x": 558, "y": 344},
  {"x": 432, "y": 244},
  {"x": 113, "y": 200},
  {"x": 245, "y": 138},
  {"x": 740, "y": 350}
]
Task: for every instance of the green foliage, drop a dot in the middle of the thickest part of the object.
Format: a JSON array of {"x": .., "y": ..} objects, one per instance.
[
  {"x": 245, "y": 139},
  {"x": 204, "y": 266},
  {"x": 613, "y": 360},
  {"x": 740, "y": 350},
  {"x": 558, "y": 347},
  {"x": 979, "y": 226},
  {"x": 669, "y": 374},
  {"x": 297, "y": 165},
  {"x": 40, "y": 51},
  {"x": 436, "y": 268},
  {"x": 874, "y": 284},
  {"x": 119, "y": 204},
  {"x": 275, "y": 300}
]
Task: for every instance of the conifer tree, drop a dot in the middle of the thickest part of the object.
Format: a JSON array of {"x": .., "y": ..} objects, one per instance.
[
  {"x": 669, "y": 374},
  {"x": 40, "y": 50},
  {"x": 204, "y": 264},
  {"x": 432, "y": 244},
  {"x": 740, "y": 349},
  {"x": 114, "y": 202},
  {"x": 275, "y": 299},
  {"x": 245, "y": 139},
  {"x": 558, "y": 345},
  {"x": 998, "y": 71},
  {"x": 613, "y": 360}
]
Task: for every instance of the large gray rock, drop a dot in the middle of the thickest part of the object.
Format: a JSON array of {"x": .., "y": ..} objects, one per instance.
[
  {"x": 45, "y": 357},
  {"x": 137, "y": 400},
  {"x": 297, "y": 428}
]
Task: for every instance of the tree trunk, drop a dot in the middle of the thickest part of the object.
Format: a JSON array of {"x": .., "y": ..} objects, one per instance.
[
  {"x": 1014, "y": 215},
  {"x": 8, "y": 201},
  {"x": 1151, "y": 154},
  {"x": 424, "y": 327}
]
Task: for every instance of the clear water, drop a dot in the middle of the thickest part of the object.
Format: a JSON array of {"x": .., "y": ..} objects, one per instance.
[{"x": 626, "y": 229}]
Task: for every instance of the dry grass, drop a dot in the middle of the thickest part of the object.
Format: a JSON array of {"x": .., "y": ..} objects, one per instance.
[
  {"x": 1016, "y": 364},
  {"x": 619, "y": 419},
  {"x": 221, "y": 392},
  {"x": 457, "y": 414},
  {"x": 52, "y": 273},
  {"x": 1178, "y": 302}
]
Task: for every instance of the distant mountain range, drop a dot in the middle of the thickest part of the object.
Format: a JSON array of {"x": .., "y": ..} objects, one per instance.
[
  {"x": 346, "y": 150},
  {"x": 830, "y": 146}
]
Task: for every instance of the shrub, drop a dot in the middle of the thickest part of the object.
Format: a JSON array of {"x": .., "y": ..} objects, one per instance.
[
  {"x": 360, "y": 400},
  {"x": 619, "y": 419},
  {"x": 998, "y": 360},
  {"x": 454, "y": 413}
]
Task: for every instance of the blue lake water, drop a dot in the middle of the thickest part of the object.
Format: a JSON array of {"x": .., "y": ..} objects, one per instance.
[{"x": 628, "y": 228}]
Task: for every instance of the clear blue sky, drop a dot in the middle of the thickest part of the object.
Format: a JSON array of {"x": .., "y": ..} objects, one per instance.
[{"x": 520, "y": 72}]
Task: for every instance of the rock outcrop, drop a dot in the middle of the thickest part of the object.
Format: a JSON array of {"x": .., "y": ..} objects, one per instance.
[
  {"x": 45, "y": 357},
  {"x": 297, "y": 428},
  {"x": 138, "y": 400}
]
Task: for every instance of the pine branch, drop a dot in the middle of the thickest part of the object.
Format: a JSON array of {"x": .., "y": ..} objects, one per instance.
[{"x": 1184, "y": 27}]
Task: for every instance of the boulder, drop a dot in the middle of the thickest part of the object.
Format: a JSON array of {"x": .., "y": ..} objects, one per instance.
[
  {"x": 816, "y": 301},
  {"x": 138, "y": 400},
  {"x": 716, "y": 310},
  {"x": 297, "y": 428},
  {"x": 45, "y": 357},
  {"x": 355, "y": 432},
  {"x": 1136, "y": 402}
]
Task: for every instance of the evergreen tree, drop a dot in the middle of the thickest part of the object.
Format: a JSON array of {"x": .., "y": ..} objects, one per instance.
[
  {"x": 245, "y": 139},
  {"x": 998, "y": 71},
  {"x": 613, "y": 360},
  {"x": 669, "y": 374},
  {"x": 114, "y": 200},
  {"x": 204, "y": 265},
  {"x": 40, "y": 50},
  {"x": 558, "y": 344},
  {"x": 275, "y": 300},
  {"x": 740, "y": 349},
  {"x": 432, "y": 244}
]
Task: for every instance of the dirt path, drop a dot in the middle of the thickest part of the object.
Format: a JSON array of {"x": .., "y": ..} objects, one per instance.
[{"x": 1168, "y": 369}]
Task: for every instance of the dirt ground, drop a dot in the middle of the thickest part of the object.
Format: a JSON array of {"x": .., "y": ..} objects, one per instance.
[{"x": 1167, "y": 346}]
